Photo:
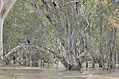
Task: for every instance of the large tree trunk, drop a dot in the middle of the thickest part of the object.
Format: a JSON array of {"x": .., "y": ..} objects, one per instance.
[{"x": 70, "y": 62}]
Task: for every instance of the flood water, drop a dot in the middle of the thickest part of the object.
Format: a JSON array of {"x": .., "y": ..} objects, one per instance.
[
  {"x": 35, "y": 73},
  {"x": 38, "y": 74}
]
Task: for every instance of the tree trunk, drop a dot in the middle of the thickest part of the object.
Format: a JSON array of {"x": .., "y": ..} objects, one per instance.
[
  {"x": 93, "y": 64},
  {"x": 1, "y": 35},
  {"x": 117, "y": 56},
  {"x": 5, "y": 6},
  {"x": 74, "y": 64},
  {"x": 114, "y": 59},
  {"x": 101, "y": 57},
  {"x": 112, "y": 39},
  {"x": 86, "y": 63}
]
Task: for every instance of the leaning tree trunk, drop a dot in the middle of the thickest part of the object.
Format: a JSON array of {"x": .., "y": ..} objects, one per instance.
[
  {"x": 5, "y": 6},
  {"x": 1, "y": 26},
  {"x": 112, "y": 39},
  {"x": 1, "y": 35}
]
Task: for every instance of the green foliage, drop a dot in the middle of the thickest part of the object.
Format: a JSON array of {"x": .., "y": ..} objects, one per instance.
[{"x": 23, "y": 22}]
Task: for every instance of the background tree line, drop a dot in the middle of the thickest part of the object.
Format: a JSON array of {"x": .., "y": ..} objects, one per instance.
[{"x": 73, "y": 31}]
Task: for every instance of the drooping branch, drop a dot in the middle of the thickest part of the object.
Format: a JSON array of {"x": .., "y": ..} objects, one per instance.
[
  {"x": 40, "y": 48},
  {"x": 31, "y": 45}
]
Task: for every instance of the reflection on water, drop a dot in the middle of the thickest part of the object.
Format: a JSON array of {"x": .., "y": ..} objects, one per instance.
[
  {"x": 37, "y": 74},
  {"x": 19, "y": 73}
]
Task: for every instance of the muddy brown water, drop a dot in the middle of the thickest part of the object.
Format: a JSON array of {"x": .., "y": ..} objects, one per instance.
[
  {"x": 35, "y": 73},
  {"x": 38, "y": 74}
]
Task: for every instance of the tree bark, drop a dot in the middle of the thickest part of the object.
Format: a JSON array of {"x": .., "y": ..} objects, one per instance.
[
  {"x": 112, "y": 39},
  {"x": 1, "y": 35},
  {"x": 101, "y": 57},
  {"x": 117, "y": 56}
]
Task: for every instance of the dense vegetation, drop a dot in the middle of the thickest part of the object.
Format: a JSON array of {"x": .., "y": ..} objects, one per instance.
[{"x": 71, "y": 31}]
